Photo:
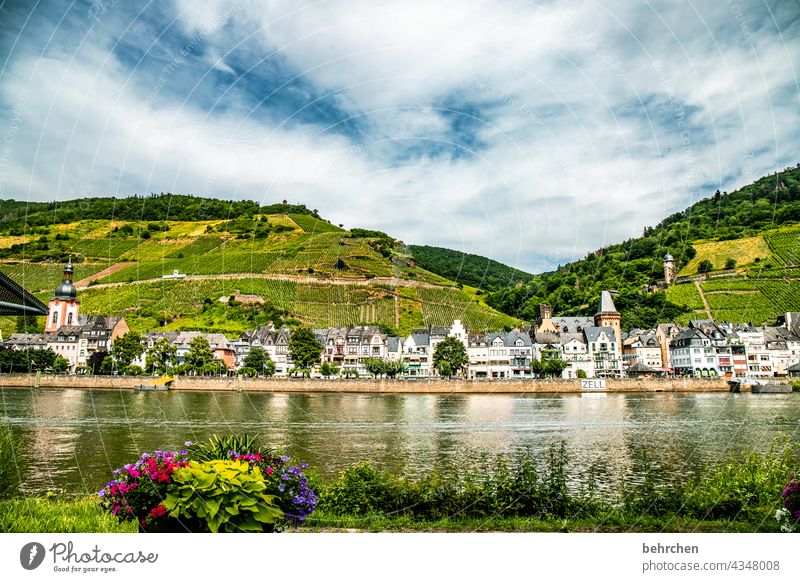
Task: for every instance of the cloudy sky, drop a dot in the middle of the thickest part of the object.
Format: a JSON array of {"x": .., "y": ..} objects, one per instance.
[{"x": 527, "y": 131}]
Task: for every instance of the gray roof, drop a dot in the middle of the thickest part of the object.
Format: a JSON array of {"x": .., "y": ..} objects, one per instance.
[
  {"x": 794, "y": 368},
  {"x": 592, "y": 333},
  {"x": 393, "y": 343},
  {"x": 546, "y": 337},
  {"x": 606, "y": 303},
  {"x": 26, "y": 339},
  {"x": 571, "y": 324},
  {"x": 641, "y": 368},
  {"x": 421, "y": 338},
  {"x": 565, "y": 338}
]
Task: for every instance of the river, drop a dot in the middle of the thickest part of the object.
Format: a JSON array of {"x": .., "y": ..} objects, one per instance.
[{"x": 71, "y": 440}]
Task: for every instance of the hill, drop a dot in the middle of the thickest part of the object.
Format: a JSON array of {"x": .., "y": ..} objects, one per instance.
[
  {"x": 245, "y": 265},
  {"x": 467, "y": 269},
  {"x": 751, "y": 225}
]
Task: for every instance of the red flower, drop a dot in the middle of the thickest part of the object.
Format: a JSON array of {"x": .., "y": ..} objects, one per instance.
[
  {"x": 268, "y": 470},
  {"x": 158, "y": 511}
]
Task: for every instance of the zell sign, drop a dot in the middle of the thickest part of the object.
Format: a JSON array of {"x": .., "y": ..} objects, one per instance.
[{"x": 594, "y": 384}]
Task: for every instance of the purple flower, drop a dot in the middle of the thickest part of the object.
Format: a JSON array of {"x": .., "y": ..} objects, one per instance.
[{"x": 187, "y": 444}]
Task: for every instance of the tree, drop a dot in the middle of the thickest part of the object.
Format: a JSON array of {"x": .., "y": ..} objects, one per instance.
[
  {"x": 200, "y": 354},
  {"x": 95, "y": 361},
  {"x": 730, "y": 264},
  {"x": 327, "y": 370},
  {"x": 60, "y": 365},
  {"x": 107, "y": 365},
  {"x": 259, "y": 360},
  {"x": 394, "y": 368},
  {"x": 580, "y": 374},
  {"x": 705, "y": 266},
  {"x": 452, "y": 351},
  {"x": 554, "y": 367},
  {"x": 444, "y": 368},
  {"x": 304, "y": 348},
  {"x": 375, "y": 366},
  {"x": 162, "y": 356},
  {"x": 127, "y": 348}
]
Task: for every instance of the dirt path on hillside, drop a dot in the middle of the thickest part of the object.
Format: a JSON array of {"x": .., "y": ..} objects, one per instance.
[
  {"x": 100, "y": 274},
  {"x": 393, "y": 281},
  {"x": 703, "y": 297},
  {"x": 734, "y": 292}
]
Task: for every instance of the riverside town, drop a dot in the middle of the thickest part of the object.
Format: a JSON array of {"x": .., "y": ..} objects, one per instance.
[{"x": 550, "y": 346}]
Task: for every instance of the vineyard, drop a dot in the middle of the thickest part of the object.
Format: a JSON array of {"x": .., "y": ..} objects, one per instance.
[
  {"x": 685, "y": 294},
  {"x": 785, "y": 246},
  {"x": 311, "y": 224}
]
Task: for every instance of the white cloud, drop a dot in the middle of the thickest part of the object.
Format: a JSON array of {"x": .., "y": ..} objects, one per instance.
[{"x": 591, "y": 121}]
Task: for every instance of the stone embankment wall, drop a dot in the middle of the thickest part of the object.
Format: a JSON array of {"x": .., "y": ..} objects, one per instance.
[{"x": 434, "y": 386}]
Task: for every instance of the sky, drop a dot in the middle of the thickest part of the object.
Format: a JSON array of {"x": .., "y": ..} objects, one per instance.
[{"x": 530, "y": 132}]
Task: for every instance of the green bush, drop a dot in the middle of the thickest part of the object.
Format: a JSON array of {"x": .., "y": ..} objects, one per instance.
[
  {"x": 225, "y": 495},
  {"x": 745, "y": 486}
]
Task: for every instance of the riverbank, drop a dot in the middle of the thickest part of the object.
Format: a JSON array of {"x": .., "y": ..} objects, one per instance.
[{"x": 379, "y": 386}]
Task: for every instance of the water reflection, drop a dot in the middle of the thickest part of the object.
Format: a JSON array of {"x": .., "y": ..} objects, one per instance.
[{"x": 72, "y": 439}]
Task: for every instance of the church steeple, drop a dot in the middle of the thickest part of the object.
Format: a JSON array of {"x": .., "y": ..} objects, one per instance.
[{"x": 64, "y": 306}]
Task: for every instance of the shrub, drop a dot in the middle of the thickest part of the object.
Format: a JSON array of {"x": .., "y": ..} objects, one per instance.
[
  {"x": 228, "y": 495},
  {"x": 9, "y": 464}
]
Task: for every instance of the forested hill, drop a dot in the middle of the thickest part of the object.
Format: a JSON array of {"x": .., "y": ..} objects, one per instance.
[
  {"x": 769, "y": 203},
  {"x": 17, "y": 216},
  {"x": 467, "y": 269}
]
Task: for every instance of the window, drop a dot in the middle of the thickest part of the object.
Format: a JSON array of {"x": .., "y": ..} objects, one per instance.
[
  {"x": 69, "y": 319},
  {"x": 55, "y": 317}
]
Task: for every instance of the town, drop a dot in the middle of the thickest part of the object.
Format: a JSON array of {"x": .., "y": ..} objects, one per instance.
[{"x": 550, "y": 346}]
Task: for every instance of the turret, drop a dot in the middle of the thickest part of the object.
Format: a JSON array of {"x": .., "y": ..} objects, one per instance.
[{"x": 669, "y": 269}]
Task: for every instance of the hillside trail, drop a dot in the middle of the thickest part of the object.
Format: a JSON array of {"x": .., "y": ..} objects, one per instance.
[
  {"x": 100, "y": 274},
  {"x": 703, "y": 297}
]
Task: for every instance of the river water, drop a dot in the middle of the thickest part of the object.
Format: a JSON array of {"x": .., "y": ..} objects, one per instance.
[{"x": 71, "y": 440}]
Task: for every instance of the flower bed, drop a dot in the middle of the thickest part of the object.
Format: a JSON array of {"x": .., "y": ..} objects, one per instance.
[
  {"x": 205, "y": 489},
  {"x": 789, "y": 515}
]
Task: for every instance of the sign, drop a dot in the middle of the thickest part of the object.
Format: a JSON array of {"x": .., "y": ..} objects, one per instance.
[{"x": 593, "y": 384}]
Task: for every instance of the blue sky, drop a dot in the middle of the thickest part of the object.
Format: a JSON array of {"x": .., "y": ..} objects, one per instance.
[{"x": 529, "y": 132}]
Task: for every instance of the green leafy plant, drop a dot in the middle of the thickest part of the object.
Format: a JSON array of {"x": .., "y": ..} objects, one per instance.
[
  {"x": 219, "y": 447},
  {"x": 223, "y": 495}
]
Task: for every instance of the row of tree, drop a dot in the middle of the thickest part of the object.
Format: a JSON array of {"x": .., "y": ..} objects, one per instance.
[{"x": 31, "y": 360}]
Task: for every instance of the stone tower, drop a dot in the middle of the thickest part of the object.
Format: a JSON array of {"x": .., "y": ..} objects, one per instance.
[
  {"x": 608, "y": 316},
  {"x": 64, "y": 305},
  {"x": 669, "y": 270}
]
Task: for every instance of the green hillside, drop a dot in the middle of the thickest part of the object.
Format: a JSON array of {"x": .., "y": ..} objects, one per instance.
[
  {"x": 304, "y": 269},
  {"x": 467, "y": 269},
  {"x": 752, "y": 226}
]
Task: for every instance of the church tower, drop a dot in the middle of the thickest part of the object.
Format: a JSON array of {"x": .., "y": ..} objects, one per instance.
[
  {"x": 63, "y": 306},
  {"x": 608, "y": 316},
  {"x": 669, "y": 270}
]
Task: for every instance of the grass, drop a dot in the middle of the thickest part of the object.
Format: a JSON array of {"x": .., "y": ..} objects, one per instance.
[
  {"x": 321, "y": 521},
  {"x": 56, "y": 515},
  {"x": 744, "y": 250}
]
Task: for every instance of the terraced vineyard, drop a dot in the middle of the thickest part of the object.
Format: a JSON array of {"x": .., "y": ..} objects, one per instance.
[
  {"x": 785, "y": 246},
  {"x": 685, "y": 294},
  {"x": 313, "y": 225}
]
